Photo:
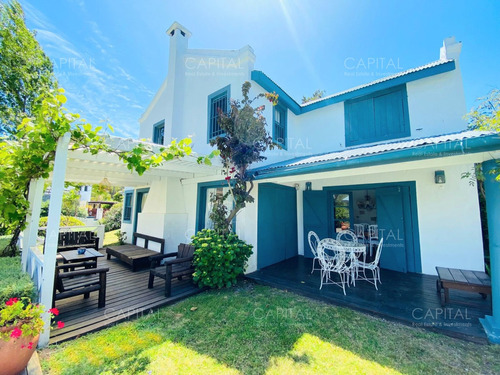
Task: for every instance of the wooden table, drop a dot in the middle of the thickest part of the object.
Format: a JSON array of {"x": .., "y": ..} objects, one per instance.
[
  {"x": 72, "y": 256},
  {"x": 469, "y": 281}
]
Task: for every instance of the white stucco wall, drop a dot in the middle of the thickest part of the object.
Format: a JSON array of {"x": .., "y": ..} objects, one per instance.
[{"x": 448, "y": 215}]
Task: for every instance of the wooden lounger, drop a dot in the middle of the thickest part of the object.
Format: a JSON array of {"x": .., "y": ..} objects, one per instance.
[
  {"x": 136, "y": 256},
  {"x": 469, "y": 281}
]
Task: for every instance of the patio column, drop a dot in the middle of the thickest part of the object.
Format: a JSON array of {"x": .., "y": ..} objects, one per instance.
[
  {"x": 30, "y": 234},
  {"x": 52, "y": 234},
  {"x": 491, "y": 324}
]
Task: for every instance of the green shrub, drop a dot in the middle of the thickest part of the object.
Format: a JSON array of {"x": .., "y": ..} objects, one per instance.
[
  {"x": 113, "y": 218},
  {"x": 14, "y": 283},
  {"x": 218, "y": 259},
  {"x": 66, "y": 221}
]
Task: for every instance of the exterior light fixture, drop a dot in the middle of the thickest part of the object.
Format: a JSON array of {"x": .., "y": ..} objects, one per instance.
[{"x": 439, "y": 177}]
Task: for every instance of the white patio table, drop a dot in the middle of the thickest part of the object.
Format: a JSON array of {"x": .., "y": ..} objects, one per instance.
[{"x": 355, "y": 249}]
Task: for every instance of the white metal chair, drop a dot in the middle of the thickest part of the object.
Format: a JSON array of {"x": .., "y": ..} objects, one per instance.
[
  {"x": 359, "y": 229},
  {"x": 372, "y": 266},
  {"x": 372, "y": 237},
  {"x": 313, "y": 239},
  {"x": 347, "y": 235},
  {"x": 336, "y": 263}
]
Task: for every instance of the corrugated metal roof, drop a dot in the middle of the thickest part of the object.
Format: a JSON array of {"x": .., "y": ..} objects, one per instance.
[
  {"x": 352, "y": 153},
  {"x": 394, "y": 76}
]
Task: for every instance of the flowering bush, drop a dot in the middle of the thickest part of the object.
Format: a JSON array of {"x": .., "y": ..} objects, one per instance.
[
  {"x": 25, "y": 317},
  {"x": 218, "y": 259}
]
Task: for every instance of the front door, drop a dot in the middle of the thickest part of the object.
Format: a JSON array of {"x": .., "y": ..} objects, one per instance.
[
  {"x": 315, "y": 216},
  {"x": 140, "y": 200}
]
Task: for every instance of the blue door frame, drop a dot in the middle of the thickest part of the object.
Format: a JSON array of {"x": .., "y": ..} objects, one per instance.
[
  {"x": 409, "y": 202},
  {"x": 139, "y": 194}
]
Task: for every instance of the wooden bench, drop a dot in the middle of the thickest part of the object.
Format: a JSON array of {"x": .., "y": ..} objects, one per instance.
[
  {"x": 75, "y": 240},
  {"x": 78, "y": 282},
  {"x": 181, "y": 265},
  {"x": 469, "y": 281},
  {"x": 136, "y": 256}
]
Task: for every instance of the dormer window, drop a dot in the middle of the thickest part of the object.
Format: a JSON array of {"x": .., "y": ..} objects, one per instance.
[
  {"x": 279, "y": 125},
  {"x": 217, "y": 102},
  {"x": 159, "y": 133},
  {"x": 380, "y": 116}
]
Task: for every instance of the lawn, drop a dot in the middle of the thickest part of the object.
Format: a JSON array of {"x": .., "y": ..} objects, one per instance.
[
  {"x": 253, "y": 329},
  {"x": 110, "y": 238}
]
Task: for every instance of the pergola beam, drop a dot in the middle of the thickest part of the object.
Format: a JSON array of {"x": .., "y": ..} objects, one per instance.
[{"x": 52, "y": 233}]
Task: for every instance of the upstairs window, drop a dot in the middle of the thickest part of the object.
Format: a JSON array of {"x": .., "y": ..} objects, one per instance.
[
  {"x": 159, "y": 133},
  {"x": 380, "y": 116},
  {"x": 127, "y": 207},
  {"x": 217, "y": 102},
  {"x": 279, "y": 125}
]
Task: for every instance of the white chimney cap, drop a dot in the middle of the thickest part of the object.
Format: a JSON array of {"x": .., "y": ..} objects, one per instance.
[
  {"x": 451, "y": 49},
  {"x": 177, "y": 26}
]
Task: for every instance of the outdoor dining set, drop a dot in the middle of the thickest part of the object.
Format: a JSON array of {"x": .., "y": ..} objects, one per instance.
[{"x": 343, "y": 260}]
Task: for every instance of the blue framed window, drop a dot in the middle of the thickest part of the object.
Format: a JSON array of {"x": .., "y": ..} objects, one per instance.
[
  {"x": 159, "y": 133},
  {"x": 204, "y": 206},
  {"x": 380, "y": 116},
  {"x": 217, "y": 102},
  {"x": 279, "y": 125},
  {"x": 127, "y": 207}
]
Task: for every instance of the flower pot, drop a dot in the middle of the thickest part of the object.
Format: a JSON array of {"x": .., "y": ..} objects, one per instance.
[{"x": 14, "y": 353}]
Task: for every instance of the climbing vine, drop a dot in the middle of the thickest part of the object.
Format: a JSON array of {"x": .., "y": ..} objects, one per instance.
[
  {"x": 30, "y": 154},
  {"x": 244, "y": 141}
]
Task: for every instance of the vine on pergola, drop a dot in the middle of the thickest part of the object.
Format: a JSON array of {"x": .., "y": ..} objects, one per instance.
[{"x": 30, "y": 154}]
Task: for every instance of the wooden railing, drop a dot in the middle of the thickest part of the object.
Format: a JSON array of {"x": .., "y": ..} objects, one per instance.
[{"x": 98, "y": 229}]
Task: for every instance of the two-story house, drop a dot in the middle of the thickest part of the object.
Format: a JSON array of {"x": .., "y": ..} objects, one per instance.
[{"x": 391, "y": 153}]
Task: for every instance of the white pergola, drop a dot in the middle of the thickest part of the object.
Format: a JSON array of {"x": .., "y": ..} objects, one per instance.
[{"x": 81, "y": 167}]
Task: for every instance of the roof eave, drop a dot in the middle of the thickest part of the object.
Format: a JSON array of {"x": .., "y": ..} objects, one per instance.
[{"x": 445, "y": 149}]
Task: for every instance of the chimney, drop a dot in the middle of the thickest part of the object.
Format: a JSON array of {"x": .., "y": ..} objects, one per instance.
[
  {"x": 450, "y": 49},
  {"x": 179, "y": 36}
]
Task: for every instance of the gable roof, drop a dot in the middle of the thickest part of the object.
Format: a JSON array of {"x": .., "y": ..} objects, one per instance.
[
  {"x": 470, "y": 141},
  {"x": 428, "y": 70}
]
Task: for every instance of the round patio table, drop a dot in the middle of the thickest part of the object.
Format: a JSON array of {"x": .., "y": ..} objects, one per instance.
[{"x": 355, "y": 250}]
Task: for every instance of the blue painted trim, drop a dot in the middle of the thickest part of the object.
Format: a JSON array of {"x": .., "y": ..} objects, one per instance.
[
  {"x": 136, "y": 211},
  {"x": 284, "y": 119},
  {"x": 412, "y": 185},
  {"x": 450, "y": 148},
  {"x": 217, "y": 93},
  {"x": 406, "y": 132},
  {"x": 365, "y": 90},
  {"x": 269, "y": 85},
  {"x": 156, "y": 126},
  {"x": 129, "y": 193},
  {"x": 202, "y": 202}
]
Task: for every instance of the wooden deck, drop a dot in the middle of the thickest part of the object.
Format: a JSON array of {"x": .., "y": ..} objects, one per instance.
[
  {"x": 127, "y": 297},
  {"x": 407, "y": 298}
]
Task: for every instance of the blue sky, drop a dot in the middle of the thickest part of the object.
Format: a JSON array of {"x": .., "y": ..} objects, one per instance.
[{"x": 111, "y": 55}]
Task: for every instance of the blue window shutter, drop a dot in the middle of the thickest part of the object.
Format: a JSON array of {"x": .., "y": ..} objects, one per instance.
[
  {"x": 359, "y": 122},
  {"x": 377, "y": 117}
]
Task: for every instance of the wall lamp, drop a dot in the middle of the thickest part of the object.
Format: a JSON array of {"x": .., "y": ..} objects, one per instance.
[{"x": 439, "y": 177}]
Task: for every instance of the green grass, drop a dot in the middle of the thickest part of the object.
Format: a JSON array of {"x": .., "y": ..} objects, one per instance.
[
  {"x": 254, "y": 329},
  {"x": 4, "y": 241},
  {"x": 14, "y": 282},
  {"x": 110, "y": 238}
]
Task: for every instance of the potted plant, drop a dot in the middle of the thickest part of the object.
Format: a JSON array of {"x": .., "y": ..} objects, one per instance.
[{"x": 20, "y": 326}]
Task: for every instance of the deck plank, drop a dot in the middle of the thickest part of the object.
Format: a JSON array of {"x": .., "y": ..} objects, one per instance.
[
  {"x": 127, "y": 297},
  {"x": 405, "y": 298}
]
